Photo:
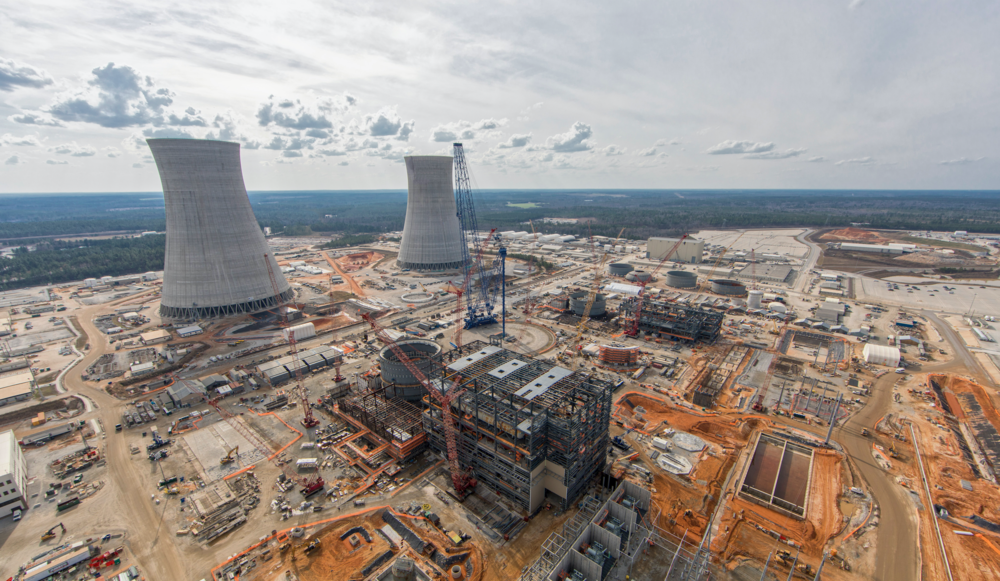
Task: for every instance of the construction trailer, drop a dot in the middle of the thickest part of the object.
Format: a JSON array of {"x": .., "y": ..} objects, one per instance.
[
  {"x": 529, "y": 429},
  {"x": 675, "y": 322}
]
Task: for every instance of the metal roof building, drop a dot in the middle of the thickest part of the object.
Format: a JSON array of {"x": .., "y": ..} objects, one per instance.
[
  {"x": 431, "y": 232},
  {"x": 215, "y": 263},
  {"x": 881, "y": 355}
]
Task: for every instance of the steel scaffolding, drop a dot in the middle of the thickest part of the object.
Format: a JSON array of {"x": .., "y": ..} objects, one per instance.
[
  {"x": 524, "y": 426},
  {"x": 672, "y": 321}
]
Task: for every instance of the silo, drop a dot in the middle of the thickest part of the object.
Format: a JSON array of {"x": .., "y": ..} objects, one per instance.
[
  {"x": 396, "y": 378},
  {"x": 619, "y": 269},
  {"x": 578, "y": 303},
  {"x": 681, "y": 279},
  {"x": 755, "y": 298},
  {"x": 728, "y": 287},
  {"x": 432, "y": 237},
  {"x": 215, "y": 263}
]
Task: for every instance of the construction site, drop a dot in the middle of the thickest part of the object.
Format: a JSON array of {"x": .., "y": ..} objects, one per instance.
[{"x": 426, "y": 408}]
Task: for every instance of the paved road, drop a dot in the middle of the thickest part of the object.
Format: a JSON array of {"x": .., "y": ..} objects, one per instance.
[
  {"x": 810, "y": 261},
  {"x": 959, "y": 349}
]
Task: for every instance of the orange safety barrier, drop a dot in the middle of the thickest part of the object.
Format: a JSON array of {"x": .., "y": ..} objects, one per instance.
[{"x": 272, "y": 456}]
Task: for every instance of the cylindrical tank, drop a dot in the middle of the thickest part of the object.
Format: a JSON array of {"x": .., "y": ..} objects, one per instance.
[
  {"x": 754, "y": 300},
  {"x": 638, "y": 276},
  {"x": 777, "y": 307},
  {"x": 431, "y": 235},
  {"x": 396, "y": 378},
  {"x": 578, "y": 303},
  {"x": 456, "y": 572},
  {"x": 215, "y": 263},
  {"x": 681, "y": 279},
  {"x": 619, "y": 269},
  {"x": 728, "y": 287}
]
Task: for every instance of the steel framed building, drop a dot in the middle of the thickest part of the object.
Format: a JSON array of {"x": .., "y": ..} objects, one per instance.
[
  {"x": 527, "y": 428},
  {"x": 669, "y": 320},
  {"x": 216, "y": 262}
]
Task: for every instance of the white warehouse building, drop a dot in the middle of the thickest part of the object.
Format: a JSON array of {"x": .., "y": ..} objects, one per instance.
[
  {"x": 881, "y": 355},
  {"x": 690, "y": 250},
  {"x": 13, "y": 475}
]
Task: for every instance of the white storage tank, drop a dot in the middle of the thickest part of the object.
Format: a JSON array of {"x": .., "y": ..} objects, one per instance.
[{"x": 755, "y": 299}]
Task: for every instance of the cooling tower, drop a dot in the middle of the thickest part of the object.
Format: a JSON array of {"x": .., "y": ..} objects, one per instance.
[
  {"x": 215, "y": 261},
  {"x": 431, "y": 236}
]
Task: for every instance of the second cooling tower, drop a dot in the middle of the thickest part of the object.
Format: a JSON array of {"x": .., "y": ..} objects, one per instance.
[
  {"x": 431, "y": 236},
  {"x": 215, "y": 263}
]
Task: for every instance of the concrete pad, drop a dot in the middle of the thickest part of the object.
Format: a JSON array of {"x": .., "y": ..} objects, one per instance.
[{"x": 211, "y": 443}]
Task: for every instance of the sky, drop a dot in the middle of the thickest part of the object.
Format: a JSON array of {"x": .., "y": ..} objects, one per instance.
[{"x": 557, "y": 94}]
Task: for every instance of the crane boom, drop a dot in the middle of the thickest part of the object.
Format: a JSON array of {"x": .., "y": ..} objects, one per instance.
[
  {"x": 308, "y": 420},
  {"x": 462, "y": 481},
  {"x": 479, "y": 304},
  {"x": 633, "y": 329},
  {"x": 598, "y": 276}
]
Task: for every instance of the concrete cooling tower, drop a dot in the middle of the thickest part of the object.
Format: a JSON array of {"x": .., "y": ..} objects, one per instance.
[
  {"x": 215, "y": 261},
  {"x": 431, "y": 236}
]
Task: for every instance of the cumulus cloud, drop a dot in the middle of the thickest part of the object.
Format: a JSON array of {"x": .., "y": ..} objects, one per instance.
[
  {"x": 385, "y": 123},
  {"x": 406, "y": 130},
  {"x": 613, "y": 150},
  {"x": 12, "y": 160},
  {"x": 303, "y": 115},
  {"x": 574, "y": 140},
  {"x": 648, "y": 152},
  {"x": 191, "y": 118},
  {"x": 794, "y": 152},
  {"x": 56, "y": 162},
  {"x": 516, "y": 140},
  {"x": 35, "y": 118},
  {"x": 960, "y": 161},
  {"x": 663, "y": 142},
  {"x": 291, "y": 153},
  {"x": 136, "y": 142},
  {"x": 231, "y": 126},
  {"x": 331, "y": 152},
  {"x": 137, "y": 165},
  {"x": 816, "y": 159},
  {"x": 27, "y": 140},
  {"x": 468, "y": 130},
  {"x": 14, "y": 74},
  {"x": 730, "y": 147},
  {"x": 74, "y": 150},
  {"x": 115, "y": 97},
  {"x": 112, "y": 151},
  {"x": 867, "y": 160}
]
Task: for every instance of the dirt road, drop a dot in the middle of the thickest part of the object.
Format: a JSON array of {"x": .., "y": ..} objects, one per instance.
[
  {"x": 897, "y": 557},
  {"x": 130, "y": 506},
  {"x": 355, "y": 288},
  {"x": 959, "y": 350}
]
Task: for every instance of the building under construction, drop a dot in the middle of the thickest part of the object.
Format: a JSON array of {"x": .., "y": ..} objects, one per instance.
[
  {"x": 672, "y": 321},
  {"x": 530, "y": 430},
  {"x": 396, "y": 421}
]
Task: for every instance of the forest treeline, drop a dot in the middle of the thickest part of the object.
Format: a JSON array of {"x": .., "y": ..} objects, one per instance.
[
  {"x": 58, "y": 261},
  {"x": 359, "y": 216}
]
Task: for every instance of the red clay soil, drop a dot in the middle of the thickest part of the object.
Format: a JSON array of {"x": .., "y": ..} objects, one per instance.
[{"x": 854, "y": 235}]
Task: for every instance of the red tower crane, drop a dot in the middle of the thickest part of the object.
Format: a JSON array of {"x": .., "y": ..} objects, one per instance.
[
  {"x": 633, "y": 326},
  {"x": 308, "y": 421},
  {"x": 462, "y": 480}
]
